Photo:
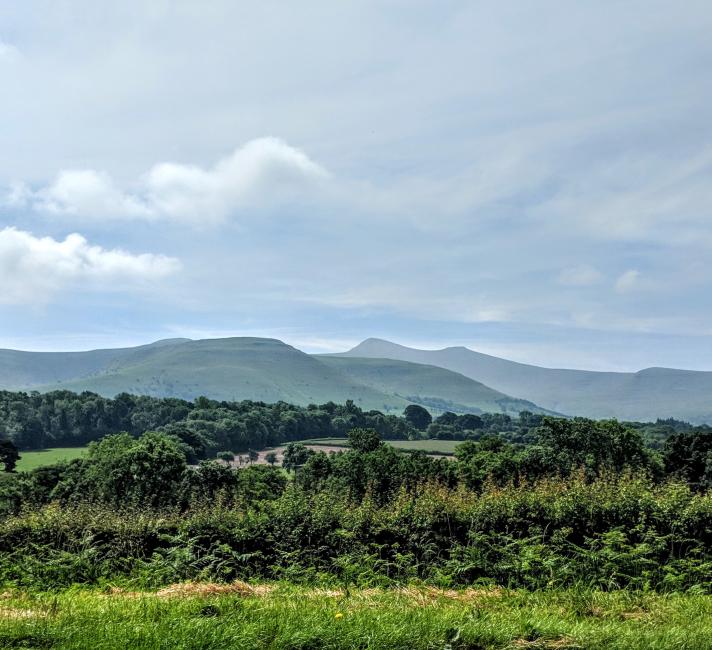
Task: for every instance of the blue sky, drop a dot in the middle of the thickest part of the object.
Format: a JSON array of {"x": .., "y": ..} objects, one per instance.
[{"x": 529, "y": 179}]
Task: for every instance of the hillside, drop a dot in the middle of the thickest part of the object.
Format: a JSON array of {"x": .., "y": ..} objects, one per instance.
[
  {"x": 21, "y": 370},
  {"x": 645, "y": 395},
  {"x": 251, "y": 368},
  {"x": 227, "y": 369},
  {"x": 434, "y": 387}
]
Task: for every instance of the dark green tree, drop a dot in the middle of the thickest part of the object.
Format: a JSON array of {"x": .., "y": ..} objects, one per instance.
[
  {"x": 417, "y": 416},
  {"x": 315, "y": 471},
  {"x": 295, "y": 455},
  {"x": 123, "y": 470},
  {"x": 8, "y": 455},
  {"x": 448, "y": 418},
  {"x": 209, "y": 481},
  {"x": 688, "y": 455},
  {"x": 364, "y": 440}
]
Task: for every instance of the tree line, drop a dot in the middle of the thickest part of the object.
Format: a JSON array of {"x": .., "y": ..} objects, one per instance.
[{"x": 63, "y": 418}]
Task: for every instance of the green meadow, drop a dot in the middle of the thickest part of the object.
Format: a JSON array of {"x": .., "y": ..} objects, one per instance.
[{"x": 30, "y": 460}]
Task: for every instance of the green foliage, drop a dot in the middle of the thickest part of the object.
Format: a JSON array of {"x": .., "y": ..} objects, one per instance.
[
  {"x": 688, "y": 455},
  {"x": 417, "y": 416},
  {"x": 295, "y": 455},
  {"x": 591, "y": 444},
  {"x": 364, "y": 440},
  {"x": 490, "y": 459},
  {"x": 202, "y": 427},
  {"x": 226, "y": 456},
  {"x": 8, "y": 455},
  {"x": 611, "y": 533},
  {"x": 122, "y": 470},
  {"x": 584, "y": 503}
]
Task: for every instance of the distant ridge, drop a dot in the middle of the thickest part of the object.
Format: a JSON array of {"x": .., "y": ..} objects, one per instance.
[
  {"x": 645, "y": 395},
  {"x": 429, "y": 385},
  {"x": 258, "y": 369}
]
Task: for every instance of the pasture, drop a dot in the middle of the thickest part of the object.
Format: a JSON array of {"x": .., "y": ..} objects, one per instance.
[{"x": 30, "y": 460}]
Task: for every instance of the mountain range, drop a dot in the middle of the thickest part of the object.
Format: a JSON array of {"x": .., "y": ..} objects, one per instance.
[
  {"x": 259, "y": 369},
  {"x": 376, "y": 374},
  {"x": 645, "y": 395}
]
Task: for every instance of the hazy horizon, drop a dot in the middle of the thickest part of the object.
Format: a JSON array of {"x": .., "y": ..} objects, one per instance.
[{"x": 319, "y": 347}]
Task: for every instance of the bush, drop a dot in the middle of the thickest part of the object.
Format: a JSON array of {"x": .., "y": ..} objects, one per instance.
[{"x": 618, "y": 531}]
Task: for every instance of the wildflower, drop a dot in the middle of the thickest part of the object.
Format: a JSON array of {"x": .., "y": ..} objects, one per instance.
[{"x": 338, "y": 615}]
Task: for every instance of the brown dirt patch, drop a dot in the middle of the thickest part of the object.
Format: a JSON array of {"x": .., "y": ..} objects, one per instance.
[
  {"x": 206, "y": 589},
  {"x": 426, "y": 595},
  {"x": 17, "y": 613}
]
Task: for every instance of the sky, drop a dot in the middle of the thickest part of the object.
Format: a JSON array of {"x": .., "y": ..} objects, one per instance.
[{"x": 530, "y": 179}]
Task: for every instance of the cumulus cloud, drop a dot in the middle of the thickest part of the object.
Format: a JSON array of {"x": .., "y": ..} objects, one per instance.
[
  {"x": 33, "y": 268},
  {"x": 248, "y": 175},
  {"x": 252, "y": 175},
  {"x": 627, "y": 281},
  {"x": 88, "y": 193},
  {"x": 580, "y": 276}
]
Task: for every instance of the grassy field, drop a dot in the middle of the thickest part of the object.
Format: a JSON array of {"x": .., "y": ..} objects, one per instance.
[
  {"x": 31, "y": 459},
  {"x": 445, "y": 447},
  {"x": 412, "y": 618}
]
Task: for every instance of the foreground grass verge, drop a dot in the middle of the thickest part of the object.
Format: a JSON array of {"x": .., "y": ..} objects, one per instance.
[{"x": 288, "y": 617}]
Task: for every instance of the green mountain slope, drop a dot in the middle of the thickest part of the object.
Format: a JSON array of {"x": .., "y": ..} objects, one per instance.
[
  {"x": 229, "y": 369},
  {"x": 251, "y": 368},
  {"x": 21, "y": 370},
  {"x": 431, "y": 386},
  {"x": 645, "y": 395}
]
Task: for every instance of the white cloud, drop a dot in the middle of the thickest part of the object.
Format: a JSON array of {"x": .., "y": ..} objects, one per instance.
[
  {"x": 88, "y": 193},
  {"x": 247, "y": 176},
  {"x": 33, "y": 268},
  {"x": 627, "y": 281},
  {"x": 253, "y": 175},
  {"x": 580, "y": 276}
]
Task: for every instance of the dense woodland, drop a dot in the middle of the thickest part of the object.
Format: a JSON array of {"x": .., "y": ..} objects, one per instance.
[
  {"x": 62, "y": 418},
  {"x": 534, "y": 501}
]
